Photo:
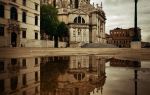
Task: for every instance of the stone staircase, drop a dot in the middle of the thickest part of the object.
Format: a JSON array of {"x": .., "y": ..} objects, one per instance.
[{"x": 98, "y": 45}]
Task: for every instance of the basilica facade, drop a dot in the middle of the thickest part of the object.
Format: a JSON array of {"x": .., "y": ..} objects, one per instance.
[{"x": 86, "y": 22}]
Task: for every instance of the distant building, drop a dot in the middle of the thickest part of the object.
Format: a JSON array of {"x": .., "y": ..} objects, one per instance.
[
  {"x": 19, "y": 23},
  {"x": 85, "y": 21},
  {"x": 122, "y": 37},
  {"x": 124, "y": 63}
]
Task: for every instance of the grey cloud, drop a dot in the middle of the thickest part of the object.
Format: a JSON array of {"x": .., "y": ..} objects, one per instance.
[
  {"x": 120, "y": 13},
  {"x": 148, "y": 38},
  {"x": 117, "y": 2}
]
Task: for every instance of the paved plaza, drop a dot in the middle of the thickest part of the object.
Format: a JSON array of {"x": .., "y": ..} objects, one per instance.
[{"x": 32, "y": 52}]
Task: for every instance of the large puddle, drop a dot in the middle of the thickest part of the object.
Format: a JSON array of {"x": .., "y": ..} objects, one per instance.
[{"x": 74, "y": 75}]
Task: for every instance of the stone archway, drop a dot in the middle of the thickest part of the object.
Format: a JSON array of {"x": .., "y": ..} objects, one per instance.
[{"x": 14, "y": 39}]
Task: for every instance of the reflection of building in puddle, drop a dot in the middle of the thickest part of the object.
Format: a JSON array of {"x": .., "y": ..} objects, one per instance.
[
  {"x": 124, "y": 63},
  {"x": 128, "y": 63},
  {"x": 20, "y": 76},
  {"x": 81, "y": 77}
]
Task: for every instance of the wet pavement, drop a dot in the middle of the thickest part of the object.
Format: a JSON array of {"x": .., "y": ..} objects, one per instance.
[{"x": 74, "y": 75}]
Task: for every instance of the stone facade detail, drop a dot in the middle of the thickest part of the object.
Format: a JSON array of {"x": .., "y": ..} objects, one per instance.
[
  {"x": 20, "y": 22},
  {"x": 86, "y": 22}
]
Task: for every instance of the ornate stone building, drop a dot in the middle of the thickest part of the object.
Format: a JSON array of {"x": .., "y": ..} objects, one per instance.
[
  {"x": 122, "y": 37},
  {"x": 85, "y": 21},
  {"x": 19, "y": 23},
  {"x": 83, "y": 76}
]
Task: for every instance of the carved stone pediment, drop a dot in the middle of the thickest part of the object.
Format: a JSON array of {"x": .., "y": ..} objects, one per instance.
[
  {"x": 78, "y": 11},
  {"x": 13, "y": 26}
]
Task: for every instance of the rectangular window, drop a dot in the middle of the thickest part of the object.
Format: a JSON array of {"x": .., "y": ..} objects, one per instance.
[
  {"x": 2, "y": 11},
  {"x": 24, "y": 93},
  {"x": 24, "y": 17},
  {"x": 24, "y": 63},
  {"x": 79, "y": 33},
  {"x": 13, "y": 0},
  {"x": 2, "y": 87},
  {"x": 74, "y": 33},
  {"x": 24, "y": 34},
  {"x": 1, "y": 66},
  {"x": 1, "y": 30},
  {"x": 24, "y": 2},
  {"x": 24, "y": 80},
  {"x": 36, "y": 6},
  {"x": 36, "y": 20},
  {"x": 36, "y": 76},
  {"x": 36, "y": 61},
  {"x": 36, "y": 35},
  {"x": 36, "y": 90},
  {"x": 76, "y": 91}
]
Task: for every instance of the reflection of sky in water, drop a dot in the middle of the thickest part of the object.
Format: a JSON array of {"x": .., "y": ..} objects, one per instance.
[
  {"x": 120, "y": 80},
  {"x": 73, "y": 75}
]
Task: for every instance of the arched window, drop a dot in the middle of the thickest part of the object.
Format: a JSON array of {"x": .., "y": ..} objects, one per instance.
[
  {"x": 2, "y": 11},
  {"x": 76, "y": 20},
  {"x": 13, "y": 13},
  {"x": 79, "y": 19},
  {"x": 83, "y": 21},
  {"x": 79, "y": 76},
  {"x": 24, "y": 15}
]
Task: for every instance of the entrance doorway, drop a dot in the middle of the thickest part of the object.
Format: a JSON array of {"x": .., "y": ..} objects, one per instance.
[{"x": 14, "y": 39}]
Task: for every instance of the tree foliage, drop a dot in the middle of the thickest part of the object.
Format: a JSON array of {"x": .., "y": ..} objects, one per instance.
[
  {"x": 62, "y": 30},
  {"x": 49, "y": 19},
  {"x": 51, "y": 25}
]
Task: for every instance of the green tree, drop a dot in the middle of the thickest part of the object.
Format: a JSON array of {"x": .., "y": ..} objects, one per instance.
[
  {"x": 62, "y": 32},
  {"x": 49, "y": 20},
  {"x": 51, "y": 26}
]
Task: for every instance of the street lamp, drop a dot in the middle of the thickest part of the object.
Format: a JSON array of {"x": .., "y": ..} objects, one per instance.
[{"x": 136, "y": 34}]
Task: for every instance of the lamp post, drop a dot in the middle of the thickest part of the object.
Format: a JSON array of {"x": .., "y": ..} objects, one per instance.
[
  {"x": 136, "y": 34},
  {"x": 136, "y": 39}
]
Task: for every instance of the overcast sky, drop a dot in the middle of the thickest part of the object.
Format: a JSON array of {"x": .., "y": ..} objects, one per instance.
[{"x": 120, "y": 13}]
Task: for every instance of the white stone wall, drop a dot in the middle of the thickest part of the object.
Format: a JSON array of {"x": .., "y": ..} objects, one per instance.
[
  {"x": 77, "y": 62},
  {"x": 79, "y": 32},
  {"x": 98, "y": 30},
  {"x": 29, "y": 26},
  {"x": 37, "y": 43},
  {"x": 62, "y": 44},
  {"x": 79, "y": 36}
]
